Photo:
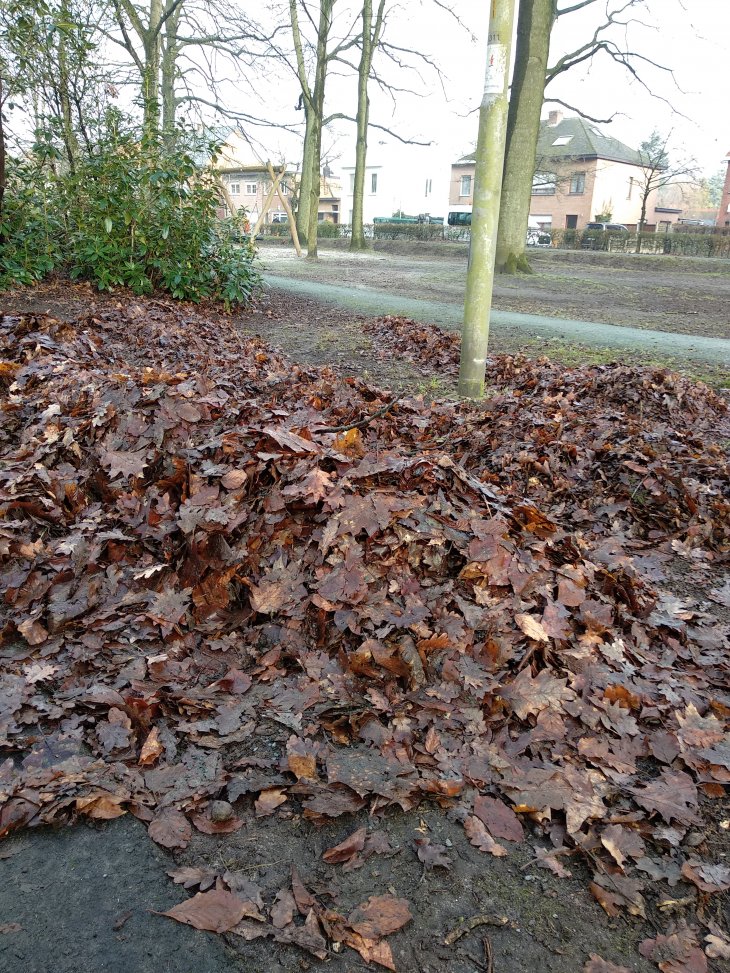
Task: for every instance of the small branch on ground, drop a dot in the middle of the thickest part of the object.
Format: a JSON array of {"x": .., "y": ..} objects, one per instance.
[{"x": 362, "y": 422}]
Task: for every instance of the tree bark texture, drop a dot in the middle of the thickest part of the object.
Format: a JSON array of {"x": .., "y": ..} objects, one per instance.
[
  {"x": 536, "y": 19},
  {"x": 485, "y": 211},
  {"x": 370, "y": 38}
]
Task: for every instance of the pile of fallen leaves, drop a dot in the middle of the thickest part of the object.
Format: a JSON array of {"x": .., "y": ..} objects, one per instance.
[{"x": 452, "y": 603}]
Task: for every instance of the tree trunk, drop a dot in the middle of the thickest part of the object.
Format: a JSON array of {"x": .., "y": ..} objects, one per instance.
[
  {"x": 642, "y": 219},
  {"x": 305, "y": 182},
  {"x": 320, "y": 76},
  {"x": 151, "y": 75},
  {"x": 357, "y": 238},
  {"x": 314, "y": 187},
  {"x": 2, "y": 161},
  {"x": 70, "y": 141},
  {"x": 168, "y": 77},
  {"x": 536, "y": 19},
  {"x": 485, "y": 212}
]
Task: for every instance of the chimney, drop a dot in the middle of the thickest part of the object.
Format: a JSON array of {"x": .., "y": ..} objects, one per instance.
[{"x": 555, "y": 118}]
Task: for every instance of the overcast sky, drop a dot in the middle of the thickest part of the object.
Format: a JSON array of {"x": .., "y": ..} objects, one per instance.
[{"x": 690, "y": 36}]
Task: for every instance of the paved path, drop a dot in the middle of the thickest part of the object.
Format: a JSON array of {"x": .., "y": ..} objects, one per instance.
[{"x": 366, "y": 300}]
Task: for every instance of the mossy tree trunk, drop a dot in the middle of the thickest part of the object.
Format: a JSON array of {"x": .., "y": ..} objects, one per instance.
[
  {"x": 168, "y": 76},
  {"x": 536, "y": 19}
]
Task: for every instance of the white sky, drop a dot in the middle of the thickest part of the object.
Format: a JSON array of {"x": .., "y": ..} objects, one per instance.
[{"x": 690, "y": 36}]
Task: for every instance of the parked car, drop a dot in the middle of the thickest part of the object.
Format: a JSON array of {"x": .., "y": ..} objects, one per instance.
[
  {"x": 537, "y": 237},
  {"x": 597, "y": 236},
  {"x": 608, "y": 227}
]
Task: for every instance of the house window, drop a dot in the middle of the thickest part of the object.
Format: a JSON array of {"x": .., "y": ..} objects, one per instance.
[
  {"x": 251, "y": 188},
  {"x": 563, "y": 140},
  {"x": 578, "y": 183},
  {"x": 631, "y": 187},
  {"x": 285, "y": 188},
  {"x": 544, "y": 183},
  {"x": 571, "y": 222},
  {"x": 234, "y": 188},
  {"x": 465, "y": 186},
  {"x": 374, "y": 183},
  {"x": 428, "y": 187},
  {"x": 352, "y": 182}
]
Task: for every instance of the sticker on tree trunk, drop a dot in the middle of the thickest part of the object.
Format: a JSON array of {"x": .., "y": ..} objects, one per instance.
[{"x": 496, "y": 69}]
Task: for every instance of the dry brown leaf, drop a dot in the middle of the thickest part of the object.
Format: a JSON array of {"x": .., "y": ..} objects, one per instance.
[
  {"x": 189, "y": 877},
  {"x": 214, "y": 911},
  {"x": 481, "y": 838},
  {"x": 170, "y": 828},
  {"x": 532, "y": 627},
  {"x": 677, "y": 952},
  {"x": 151, "y": 748},
  {"x": 282, "y": 911},
  {"x": 347, "y": 848},
  {"x": 501, "y": 820},
  {"x": 372, "y": 951},
  {"x": 622, "y": 843},
  {"x": 380, "y": 915},
  {"x": 301, "y": 758},
  {"x": 268, "y": 801},
  {"x": 101, "y": 806}
]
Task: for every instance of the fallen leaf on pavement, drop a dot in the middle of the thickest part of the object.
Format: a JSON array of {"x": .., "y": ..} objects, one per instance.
[{"x": 214, "y": 911}]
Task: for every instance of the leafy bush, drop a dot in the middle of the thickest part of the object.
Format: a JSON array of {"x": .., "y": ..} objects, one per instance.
[
  {"x": 328, "y": 231},
  {"x": 146, "y": 219},
  {"x": 29, "y": 229},
  {"x": 135, "y": 213},
  {"x": 276, "y": 229},
  {"x": 409, "y": 231}
]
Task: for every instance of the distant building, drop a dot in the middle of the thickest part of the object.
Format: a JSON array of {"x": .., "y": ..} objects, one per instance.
[
  {"x": 398, "y": 179},
  {"x": 330, "y": 197},
  {"x": 247, "y": 181},
  {"x": 723, "y": 216},
  {"x": 581, "y": 175}
]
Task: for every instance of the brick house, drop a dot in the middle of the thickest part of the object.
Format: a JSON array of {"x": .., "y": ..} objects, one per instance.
[
  {"x": 580, "y": 174},
  {"x": 247, "y": 183}
]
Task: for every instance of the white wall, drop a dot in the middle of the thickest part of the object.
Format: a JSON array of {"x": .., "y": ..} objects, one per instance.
[{"x": 402, "y": 175}]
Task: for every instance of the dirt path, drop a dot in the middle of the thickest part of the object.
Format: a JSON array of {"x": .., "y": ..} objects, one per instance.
[
  {"x": 516, "y": 325},
  {"x": 676, "y": 295}
]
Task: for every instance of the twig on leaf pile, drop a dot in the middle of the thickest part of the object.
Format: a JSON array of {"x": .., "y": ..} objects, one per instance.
[{"x": 362, "y": 422}]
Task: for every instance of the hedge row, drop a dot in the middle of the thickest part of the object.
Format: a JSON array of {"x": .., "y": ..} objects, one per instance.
[{"x": 679, "y": 244}]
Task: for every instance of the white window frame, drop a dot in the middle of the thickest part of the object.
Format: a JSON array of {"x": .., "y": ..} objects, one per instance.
[
  {"x": 252, "y": 188},
  {"x": 544, "y": 183},
  {"x": 465, "y": 181},
  {"x": 373, "y": 184},
  {"x": 234, "y": 188}
]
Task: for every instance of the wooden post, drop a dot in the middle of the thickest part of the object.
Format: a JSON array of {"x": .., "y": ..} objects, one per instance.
[
  {"x": 287, "y": 206},
  {"x": 267, "y": 204}
]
